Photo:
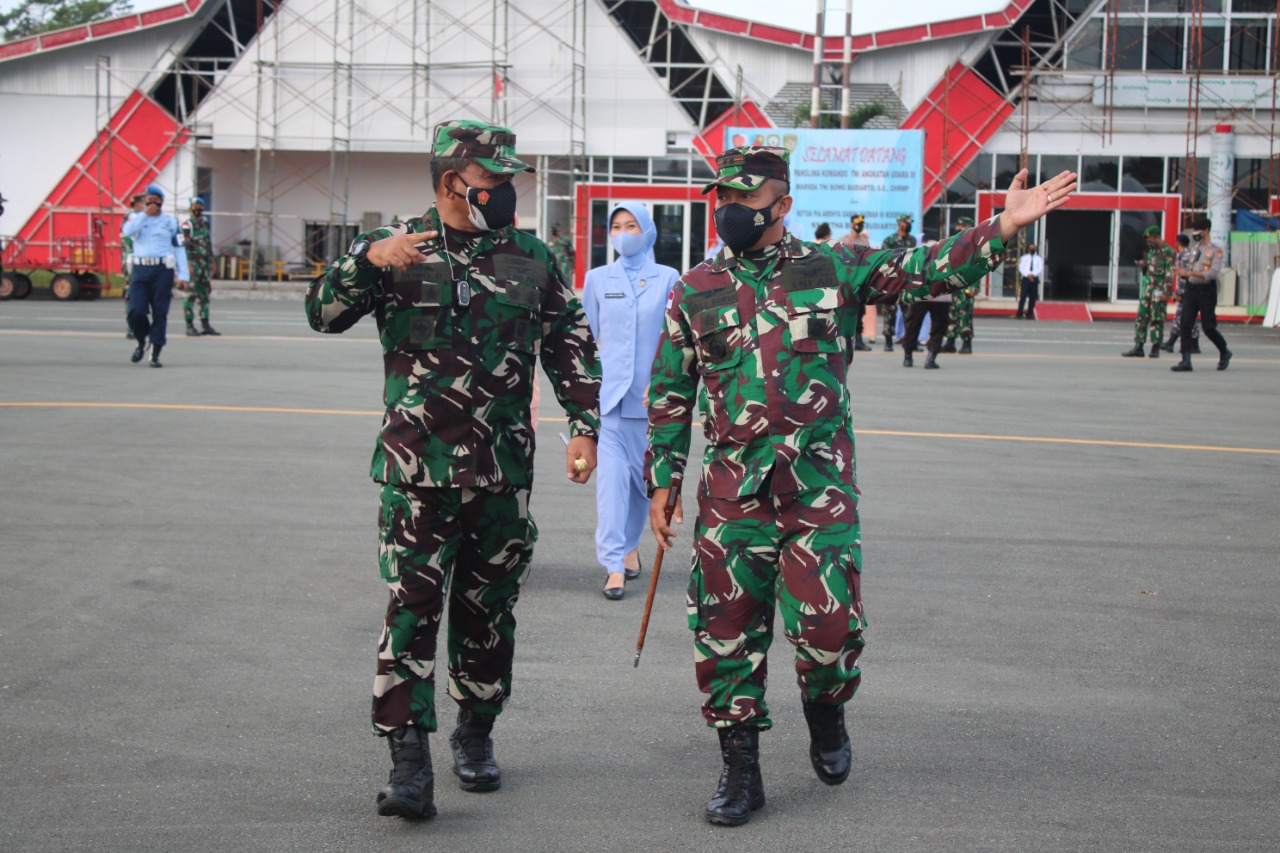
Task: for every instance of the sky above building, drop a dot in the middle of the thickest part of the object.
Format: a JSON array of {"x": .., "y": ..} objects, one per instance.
[{"x": 867, "y": 16}]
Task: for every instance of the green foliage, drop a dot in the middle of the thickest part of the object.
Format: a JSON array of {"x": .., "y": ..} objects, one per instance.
[
  {"x": 858, "y": 118},
  {"x": 31, "y": 17}
]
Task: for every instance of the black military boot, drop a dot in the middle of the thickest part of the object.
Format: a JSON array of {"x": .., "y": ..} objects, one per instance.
[
  {"x": 1167, "y": 346},
  {"x": 741, "y": 790},
  {"x": 966, "y": 348},
  {"x": 888, "y": 343},
  {"x": 931, "y": 361},
  {"x": 1183, "y": 366},
  {"x": 1155, "y": 350},
  {"x": 155, "y": 355},
  {"x": 859, "y": 345},
  {"x": 192, "y": 331},
  {"x": 950, "y": 345},
  {"x": 1136, "y": 352},
  {"x": 906, "y": 358},
  {"x": 206, "y": 329},
  {"x": 139, "y": 351},
  {"x": 410, "y": 790},
  {"x": 473, "y": 761},
  {"x": 1224, "y": 359},
  {"x": 829, "y": 749}
]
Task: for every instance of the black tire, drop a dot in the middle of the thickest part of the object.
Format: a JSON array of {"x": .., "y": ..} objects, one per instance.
[
  {"x": 90, "y": 286},
  {"x": 65, "y": 287},
  {"x": 24, "y": 285}
]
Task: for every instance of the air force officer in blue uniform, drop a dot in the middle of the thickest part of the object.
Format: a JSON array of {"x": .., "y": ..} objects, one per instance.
[
  {"x": 625, "y": 304},
  {"x": 158, "y": 254}
]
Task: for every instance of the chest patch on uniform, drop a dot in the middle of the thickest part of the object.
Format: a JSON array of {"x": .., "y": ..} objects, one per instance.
[
  {"x": 420, "y": 282},
  {"x": 808, "y": 273},
  {"x": 519, "y": 268},
  {"x": 524, "y": 295},
  {"x": 422, "y": 330},
  {"x": 696, "y": 303}
]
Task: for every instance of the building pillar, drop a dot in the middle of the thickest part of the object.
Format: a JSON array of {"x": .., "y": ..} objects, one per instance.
[{"x": 1222, "y": 162}]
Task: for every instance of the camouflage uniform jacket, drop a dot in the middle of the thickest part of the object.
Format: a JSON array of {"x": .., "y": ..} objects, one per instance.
[
  {"x": 562, "y": 248},
  {"x": 195, "y": 233},
  {"x": 1182, "y": 262},
  {"x": 897, "y": 241},
  {"x": 459, "y": 379},
  {"x": 766, "y": 336},
  {"x": 1159, "y": 272}
]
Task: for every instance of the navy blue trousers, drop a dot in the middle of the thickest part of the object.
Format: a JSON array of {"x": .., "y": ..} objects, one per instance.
[{"x": 150, "y": 292}]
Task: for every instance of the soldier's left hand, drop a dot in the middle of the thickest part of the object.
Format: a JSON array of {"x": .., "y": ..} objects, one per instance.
[
  {"x": 580, "y": 447},
  {"x": 1023, "y": 205}
]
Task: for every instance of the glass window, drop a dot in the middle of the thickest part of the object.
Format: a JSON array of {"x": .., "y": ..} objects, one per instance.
[
  {"x": 1129, "y": 47},
  {"x": 1213, "y": 51},
  {"x": 1252, "y": 185},
  {"x": 670, "y": 169},
  {"x": 599, "y": 233},
  {"x": 630, "y": 169},
  {"x": 1164, "y": 44},
  {"x": 1086, "y": 50},
  {"x": 1248, "y": 46},
  {"x": 1099, "y": 174},
  {"x": 1006, "y": 166},
  {"x": 701, "y": 171},
  {"x": 1179, "y": 180},
  {"x": 1053, "y": 164},
  {"x": 1174, "y": 6},
  {"x": 1143, "y": 174},
  {"x": 1132, "y": 5},
  {"x": 1262, "y": 6}
]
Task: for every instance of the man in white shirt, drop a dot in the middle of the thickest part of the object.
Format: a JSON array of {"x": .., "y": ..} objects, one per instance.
[{"x": 1030, "y": 271}]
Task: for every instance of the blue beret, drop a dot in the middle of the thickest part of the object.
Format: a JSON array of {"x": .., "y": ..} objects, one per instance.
[
  {"x": 196, "y": 200},
  {"x": 154, "y": 189}
]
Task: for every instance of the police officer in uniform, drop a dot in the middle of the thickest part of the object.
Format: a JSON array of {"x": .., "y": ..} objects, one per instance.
[
  {"x": 1200, "y": 296},
  {"x": 763, "y": 326},
  {"x": 901, "y": 239},
  {"x": 158, "y": 254},
  {"x": 466, "y": 305}
]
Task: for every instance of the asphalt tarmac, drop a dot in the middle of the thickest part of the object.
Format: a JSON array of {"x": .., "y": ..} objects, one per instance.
[{"x": 1071, "y": 582}]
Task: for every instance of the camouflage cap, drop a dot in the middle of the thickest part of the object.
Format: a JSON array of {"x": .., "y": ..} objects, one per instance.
[
  {"x": 748, "y": 167},
  {"x": 490, "y": 145},
  {"x": 1151, "y": 231},
  {"x": 906, "y": 217},
  {"x": 965, "y": 222}
]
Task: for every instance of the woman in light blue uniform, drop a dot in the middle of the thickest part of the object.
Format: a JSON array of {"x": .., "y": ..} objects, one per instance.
[{"x": 625, "y": 304}]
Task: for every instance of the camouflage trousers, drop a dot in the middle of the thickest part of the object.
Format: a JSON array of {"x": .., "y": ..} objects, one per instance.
[
  {"x": 469, "y": 548},
  {"x": 198, "y": 291},
  {"x": 1149, "y": 323},
  {"x": 802, "y": 552},
  {"x": 960, "y": 321},
  {"x": 890, "y": 321}
]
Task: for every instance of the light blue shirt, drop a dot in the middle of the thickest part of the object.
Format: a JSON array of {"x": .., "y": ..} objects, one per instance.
[
  {"x": 627, "y": 319},
  {"x": 157, "y": 237}
]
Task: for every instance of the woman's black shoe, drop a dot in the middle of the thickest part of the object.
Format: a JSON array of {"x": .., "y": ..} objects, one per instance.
[{"x": 614, "y": 593}]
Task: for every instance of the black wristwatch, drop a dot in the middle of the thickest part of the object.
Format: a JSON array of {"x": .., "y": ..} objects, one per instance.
[{"x": 359, "y": 253}]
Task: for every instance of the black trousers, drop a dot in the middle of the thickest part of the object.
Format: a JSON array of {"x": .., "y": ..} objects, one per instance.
[
  {"x": 1029, "y": 293},
  {"x": 938, "y": 313},
  {"x": 1201, "y": 299},
  {"x": 150, "y": 291}
]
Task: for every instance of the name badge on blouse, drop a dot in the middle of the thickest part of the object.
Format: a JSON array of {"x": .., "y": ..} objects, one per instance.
[{"x": 615, "y": 296}]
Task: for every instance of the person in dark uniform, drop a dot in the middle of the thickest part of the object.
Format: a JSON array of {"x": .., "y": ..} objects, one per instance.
[{"x": 1201, "y": 297}]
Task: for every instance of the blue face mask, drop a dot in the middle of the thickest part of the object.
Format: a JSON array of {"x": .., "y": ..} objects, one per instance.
[{"x": 627, "y": 243}]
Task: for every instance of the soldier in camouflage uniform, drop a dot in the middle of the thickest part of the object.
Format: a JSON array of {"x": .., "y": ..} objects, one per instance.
[
  {"x": 465, "y": 306},
  {"x": 1157, "y": 269},
  {"x": 200, "y": 256},
  {"x": 903, "y": 239},
  {"x": 960, "y": 321},
  {"x": 562, "y": 247},
  {"x": 763, "y": 325},
  {"x": 126, "y": 255}
]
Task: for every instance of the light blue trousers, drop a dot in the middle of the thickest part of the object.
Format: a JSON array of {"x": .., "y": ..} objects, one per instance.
[{"x": 622, "y": 508}]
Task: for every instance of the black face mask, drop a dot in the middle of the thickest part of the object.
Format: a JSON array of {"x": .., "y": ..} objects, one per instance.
[
  {"x": 1196, "y": 236},
  {"x": 741, "y": 227},
  {"x": 489, "y": 209},
  {"x": 857, "y": 228}
]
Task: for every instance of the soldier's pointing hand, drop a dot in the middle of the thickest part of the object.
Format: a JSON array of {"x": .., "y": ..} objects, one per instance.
[{"x": 400, "y": 251}]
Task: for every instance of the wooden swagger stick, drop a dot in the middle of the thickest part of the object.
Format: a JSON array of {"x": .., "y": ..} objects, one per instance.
[{"x": 672, "y": 497}]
